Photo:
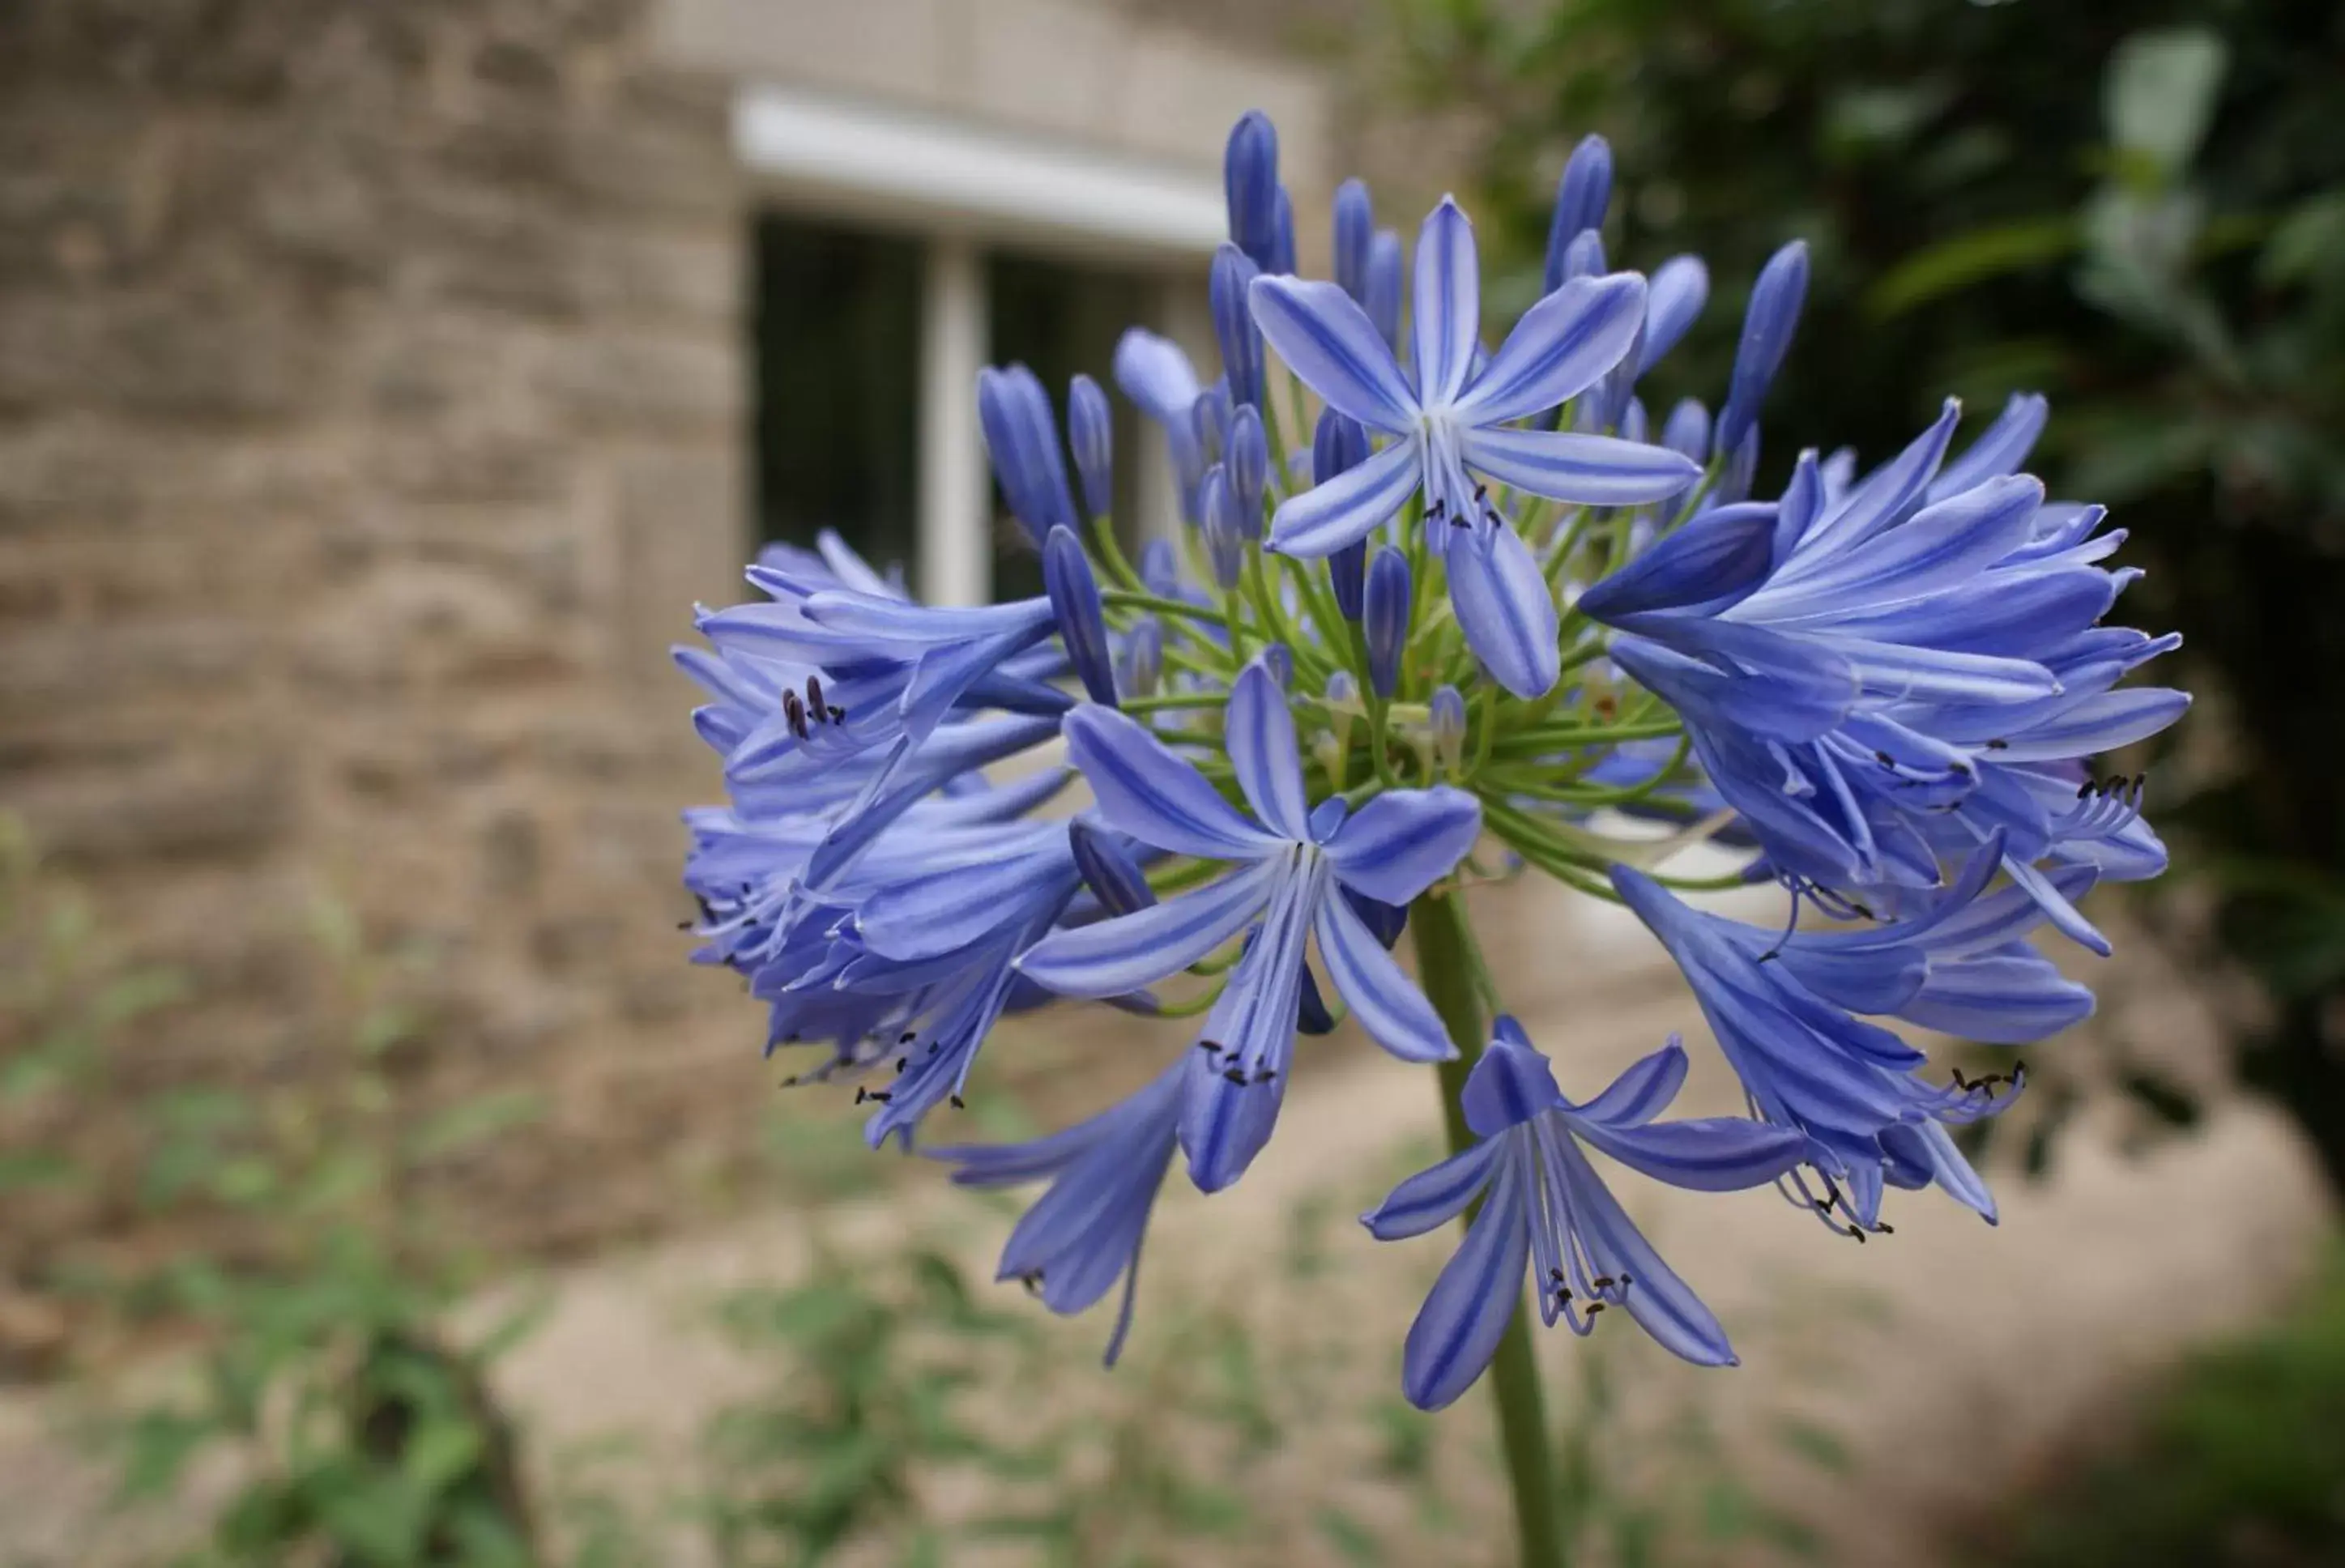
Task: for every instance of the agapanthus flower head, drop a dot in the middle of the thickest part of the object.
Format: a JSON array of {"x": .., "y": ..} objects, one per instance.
[{"x": 1425, "y": 594}]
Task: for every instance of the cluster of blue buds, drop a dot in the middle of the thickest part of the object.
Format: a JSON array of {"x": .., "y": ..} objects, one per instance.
[{"x": 1438, "y": 612}]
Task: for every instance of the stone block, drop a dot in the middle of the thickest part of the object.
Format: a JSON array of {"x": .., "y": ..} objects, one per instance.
[
  {"x": 220, "y": 807},
  {"x": 146, "y": 663},
  {"x": 653, "y": 382}
]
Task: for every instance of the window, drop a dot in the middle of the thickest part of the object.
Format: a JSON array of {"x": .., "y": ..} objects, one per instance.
[{"x": 842, "y": 338}]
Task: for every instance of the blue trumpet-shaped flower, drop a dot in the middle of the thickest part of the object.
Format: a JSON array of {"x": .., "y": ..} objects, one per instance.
[
  {"x": 1784, "y": 1008},
  {"x": 1454, "y": 428},
  {"x": 1086, "y": 1231},
  {"x": 1545, "y": 1208},
  {"x": 1293, "y": 859}
]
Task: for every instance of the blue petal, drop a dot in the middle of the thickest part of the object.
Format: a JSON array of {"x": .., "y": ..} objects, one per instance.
[
  {"x": 1885, "y": 498},
  {"x": 1790, "y": 689},
  {"x": 1447, "y": 318},
  {"x": 1663, "y": 1305},
  {"x": 1593, "y": 471},
  {"x": 1384, "y": 1001},
  {"x": 1327, "y": 517},
  {"x": 1505, "y": 608},
  {"x": 1929, "y": 1145},
  {"x": 1896, "y": 672},
  {"x": 1641, "y": 1093},
  {"x": 1434, "y": 1196},
  {"x": 1260, "y": 733},
  {"x": 1674, "y": 298},
  {"x": 2012, "y": 998},
  {"x": 1561, "y": 346},
  {"x": 1156, "y": 374},
  {"x": 1121, "y": 955},
  {"x": 929, "y": 916},
  {"x": 2022, "y": 612},
  {"x": 1872, "y": 980},
  {"x": 2097, "y": 724},
  {"x": 2000, "y": 448},
  {"x": 1702, "y": 1154},
  {"x": 1511, "y": 1085},
  {"x": 1457, "y": 1329},
  {"x": 1145, "y": 790},
  {"x": 1404, "y": 841},
  {"x": 1712, "y": 562},
  {"x": 1333, "y": 348},
  {"x": 1942, "y": 546}
]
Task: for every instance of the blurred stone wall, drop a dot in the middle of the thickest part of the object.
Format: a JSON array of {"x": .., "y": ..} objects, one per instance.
[{"x": 370, "y": 415}]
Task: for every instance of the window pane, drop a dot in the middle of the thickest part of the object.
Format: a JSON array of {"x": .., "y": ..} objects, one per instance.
[
  {"x": 837, "y": 324},
  {"x": 1059, "y": 319}
]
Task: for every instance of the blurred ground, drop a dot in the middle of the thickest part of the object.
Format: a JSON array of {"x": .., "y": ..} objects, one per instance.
[{"x": 1888, "y": 1391}]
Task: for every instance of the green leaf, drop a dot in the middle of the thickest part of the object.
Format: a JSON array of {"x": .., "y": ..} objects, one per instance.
[
  {"x": 2310, "y": 237},
  {"x": 441, "y": 1452},
  {"x": 1969, "y": 259},
  {"x": 2159, "y": 95}
]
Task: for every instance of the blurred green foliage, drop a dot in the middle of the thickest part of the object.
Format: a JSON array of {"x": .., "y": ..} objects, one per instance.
[
  {"x": 287, "y": 1249},
  {"x": 2238, "y": 1464},
  {"x": 2137, "y": 207}
]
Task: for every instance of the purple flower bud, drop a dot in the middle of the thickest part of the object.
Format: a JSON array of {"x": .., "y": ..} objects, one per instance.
[
  {"x": 1140, "y": 663},
  {"x": 1209, "y": 420},
  {"x": 1021, "y": 441},
  {"x": 1355, "y": 232},
  {"x": 1734, "y": 479},
  {"x": 1635, "y": 425},
  {"x": 1280, "y": 662},
  {"x": 1767, "y": 328},
  {"x": 1580, "y": 198},
  {"x": 1282, "y": 238},
  {"x": 1673, "y": 299},
  {"x": 1233, "y": 327},
  {"x": 1224, "y": 544},
  {"x": 1250, "y": 182},
  {"x": 1105, "y": 858},
  {"x": 1383, "y": 301},
  {"x": 1582, "y": 257},
  {"x": 1686, "y": 429},
  {"x": 1343, "y": 691},
  {"x": 1160, "y": 563},
  {"x": 1338, "y": 446},
  {"x": 1449, "y": 714},
  {"x": 1248, "y": 464},
  {"x": 1090, "y": 432},
  {"x": 1075, "y": 601},
  {"x": 1385, "y": 617}
]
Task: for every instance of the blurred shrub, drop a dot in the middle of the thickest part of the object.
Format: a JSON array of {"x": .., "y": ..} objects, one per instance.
[
  {"x": 2137, "y": 207},
  {"x": 318, "y": 1372},
  {"x": 2241, "y": 1461}
]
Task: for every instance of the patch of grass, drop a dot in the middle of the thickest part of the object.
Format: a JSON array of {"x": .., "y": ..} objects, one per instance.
[{"x": 2241, "y": 1461}]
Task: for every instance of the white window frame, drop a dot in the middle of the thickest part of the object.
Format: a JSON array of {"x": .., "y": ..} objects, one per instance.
[{"x": 961, "y": 186}]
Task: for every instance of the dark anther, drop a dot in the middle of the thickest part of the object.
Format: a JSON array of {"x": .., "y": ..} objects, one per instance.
[
  {"x": 958, "y": 1103},
  {"x": 2084, "y": 790},
  {"x": 1625, "y": 1279},
  {"x": 1961, "y": 1082},
  {"x": 861, "y": 1093},
  {"x": 1594, "y": 1308},
  {"x": 837, "y": 714},
  {"x": 1857, "y": 1232},
  {"x": 814, "y": 695},
  {"x": 1884, "y": 759},
  {"x": 1211, "y": 1047},
  {"x": 1435, "y": 512},
  {"x": 1235, "y": 1075},
  {"x": 1264, "y": 1075},
  {"x": 1481, "y": 492},
  {"x": 908, "y": 1037},
  {"x": 1886, "y": 1229},
  {"x": 685, "y": 925},
  {"x": 1032, "y": 1280},
  {"x": 1999, "y": 746},
  {"x": 1602, "y": 1281},
  {"x": 900, "y": 1061},
  {"x": 1555, "y": 1275},
  {"x": 790, "y": 1082},
  {"x": 883, "y": 1096},
  {"x": 706, "y": 912},
  {"x": 793, "y": 712}
]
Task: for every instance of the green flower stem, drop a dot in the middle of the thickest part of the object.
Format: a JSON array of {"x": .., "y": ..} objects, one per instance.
[
  {"x": 1170, "y": 701},
  {"x": 1110, "y": 554},
  {"x": 1156, "y": 605},
  {"x": 1445, "y": 968}
]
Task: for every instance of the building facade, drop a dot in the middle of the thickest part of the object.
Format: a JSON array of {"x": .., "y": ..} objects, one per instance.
[{"x": 380, "y": 386}]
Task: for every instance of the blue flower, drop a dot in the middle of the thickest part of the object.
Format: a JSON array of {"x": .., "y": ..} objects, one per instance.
[
  {"x": 1451, "y": 424},
  {"x": 1544, "y": 1208},
  {"x": 1086, "y": 1231},
  {"x": 1291, "y": 858},
  {"x": 1879, "y": 677},
  {"x": 1784, "y": 1006}
]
